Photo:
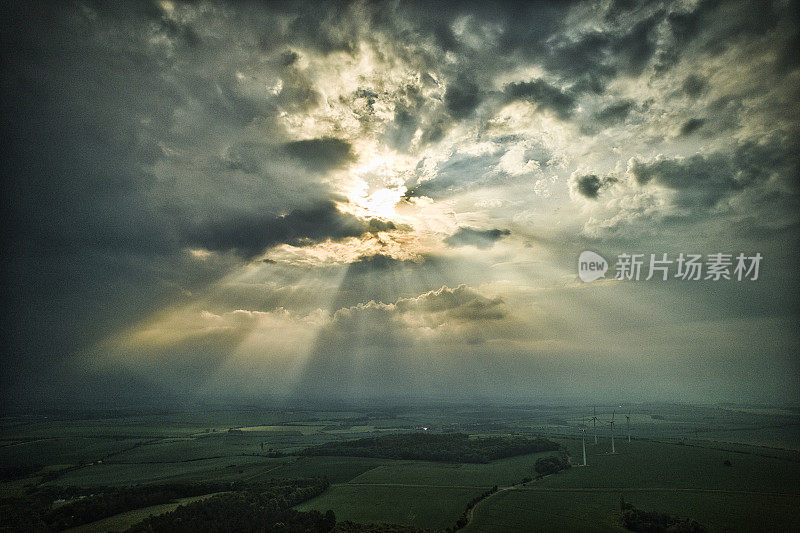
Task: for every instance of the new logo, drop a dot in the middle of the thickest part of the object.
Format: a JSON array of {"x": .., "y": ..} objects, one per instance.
[{"x": 591, "y": 266}]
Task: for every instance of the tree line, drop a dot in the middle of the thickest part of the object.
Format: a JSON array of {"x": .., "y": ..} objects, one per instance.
[
  {"x": 642, "y": 521},
  {"x": 35, "y": 511},
  {"x": 244, "y": 511},
  {"x": 449, "y": 447}
]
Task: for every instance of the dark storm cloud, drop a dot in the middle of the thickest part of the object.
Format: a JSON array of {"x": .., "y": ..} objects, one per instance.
[
  {"x": 403, "y": 129},
  {"x": 370, "y": 97},
  {"x": 369, "y": 263},
  {"x": 181, "y": 31},
  {"x": 462, "y": 97},
  {"x": 326, "y": 28},
  {"x": 95, "y": 98},
  {"x": 289, "y": 58},
  {"x": 617, "y": 8},
  {"x": 376, "y": 225},
  {"x": 590, "y": 59},
  {"x": 694, "y": 85},
  {"x": 692, "y": 125},
  {"x": 703, "y": 180},
  {"x": 712, "y": 26},
  {"x": 482, "y": 239},
  {"x": 590, "y": 185},
  {"x": 544, "y": 95},
  {"x": 633, "y": 49},
  {"x": 320, "y": 154},
  {"x": 614, "y": 112},
  {"x": 250, "y": 234}
]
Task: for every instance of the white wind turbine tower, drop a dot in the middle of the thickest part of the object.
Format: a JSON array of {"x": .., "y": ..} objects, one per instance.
[
  {"x": 583, "y": 442},
  {"x": 594, "y": 423},
  {"x": 628, "y": 424},
  {"x": 613, "y": 450}
]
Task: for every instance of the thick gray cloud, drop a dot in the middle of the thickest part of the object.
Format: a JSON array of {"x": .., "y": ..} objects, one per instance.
[
  {"x": 692, "y": 125},
  {"x": 711, "y": 26},
  {"x": 482, "y": 239},
  {"x": 544, "y": 95},
  {"x": 249, "y": 234},
  {"x": 590, "y": 185},
  {"x": 320, "y": 154},
  {"x": 614, "y": 112},
  {"x": 702, "y": 181},
  {"x": 462, "y": 97},
  {"x": 694, "y": 85},
  {"x": 593, "y": 57}
]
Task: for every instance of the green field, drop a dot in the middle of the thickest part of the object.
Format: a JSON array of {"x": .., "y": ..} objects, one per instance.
[
  {"x": 184, "y": 449},
  {"x": 501, "y": 472},
  {"x": 62, "y": 450},
  {"x": 755, "y": 493},
  {"x": 675, "y": 464},
  {"x": 226, "y": 468},
  {"x": 336, "y": 469},
  {"x": 520, "y": 510},
  {"x": 423, "y": 507},
  {"x": 644, "y": 464},
  {"x": 123, "y": 521},
  {"x": 596, "y": 510}
]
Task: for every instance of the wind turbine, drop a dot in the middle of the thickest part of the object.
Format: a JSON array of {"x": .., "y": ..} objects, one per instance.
[
  {"x": 594, "y": 423},
  {"x": 583, "y": 442},
  {"x": 628, "y": 424},
  {"x": 613, "y": 450}
]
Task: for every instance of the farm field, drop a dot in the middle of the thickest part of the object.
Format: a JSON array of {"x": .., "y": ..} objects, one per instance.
[
  {"x": 668, "y": 467},
  {"x": 665, "y": 477},
  {"x": 501, "y": 472},
  {"x": 123, "y": 521},
  {"x": 597, "y": 510},
  {"x": 429, "y": 507},
  {"x": 647, "y": 464},
  {"x": 224, "y": 468}
]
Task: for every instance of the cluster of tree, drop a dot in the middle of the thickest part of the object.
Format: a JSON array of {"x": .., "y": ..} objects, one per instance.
[
  {"x": 111, "y": 501},
  {"x": 271, "y": 452},
  {"x": 635, "y": 519},
  {"x": 352, "y": 527},
  {"x": 451, "y": 447},
  {"x": 551, "y": 465},
  {"x": 22, "y": 514},
  {"x": 250, "y": 512},
  {"x": 242, "y": 511},
  {"x": 463, "y": 520},
  {"x": 83, "y": 506},
  {"x": 8, "y": 473}
]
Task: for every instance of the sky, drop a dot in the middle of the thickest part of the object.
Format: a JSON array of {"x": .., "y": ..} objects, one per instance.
[{"x": 386, "y": 201}]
